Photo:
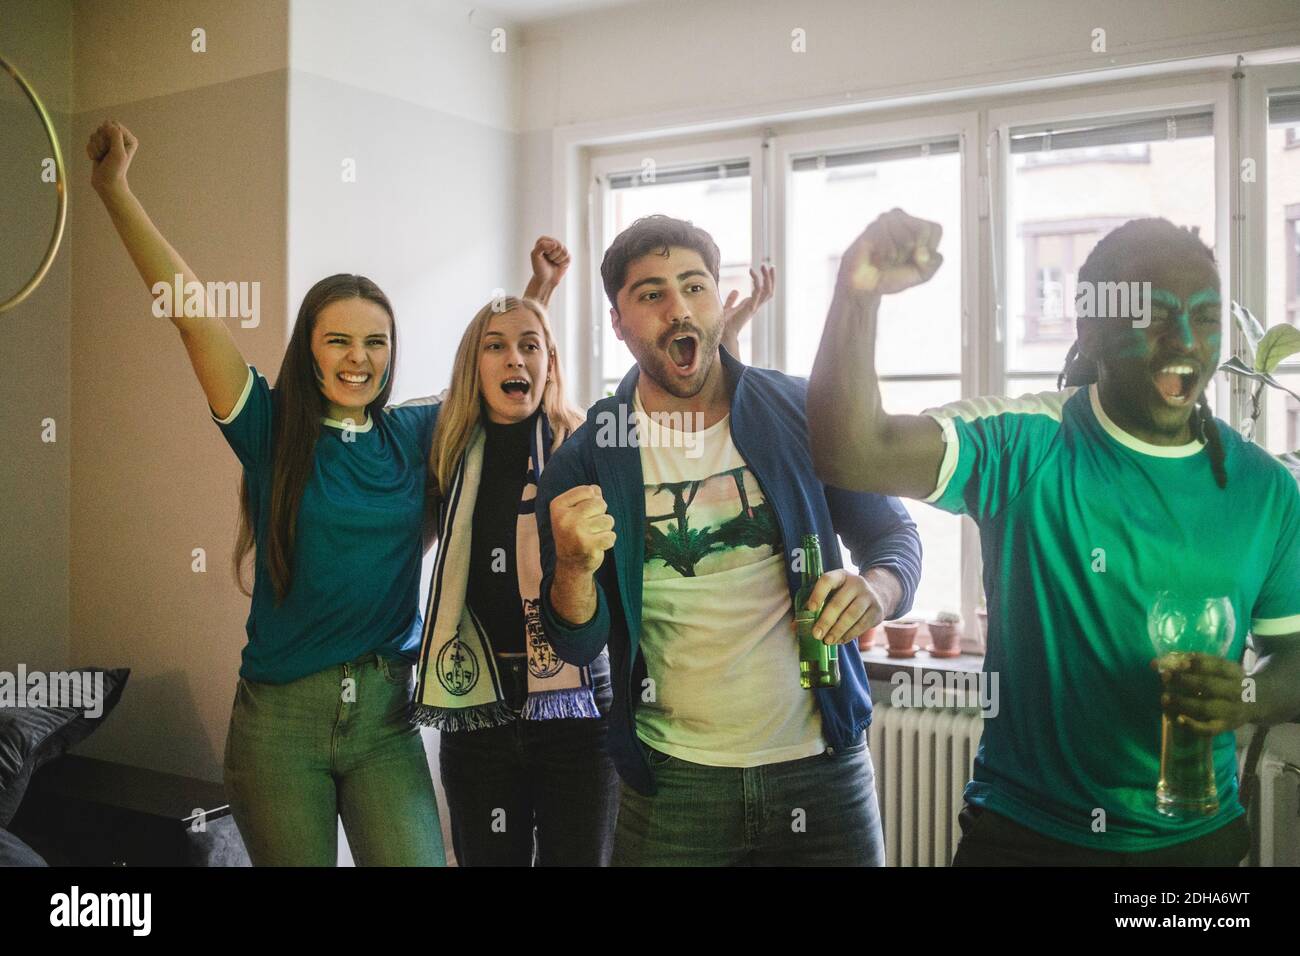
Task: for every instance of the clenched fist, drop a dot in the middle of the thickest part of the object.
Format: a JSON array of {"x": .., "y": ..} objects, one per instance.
[
  {"x": 110, "y": 148},
  {"x": 550, "y": 261},
  {"x": 582, "y": 529},
  {"x": 894, "y": 253}
]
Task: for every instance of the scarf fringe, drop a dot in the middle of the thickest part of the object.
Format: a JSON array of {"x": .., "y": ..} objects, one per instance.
[
  {"x": 561, "y": 704},
  {"x": 496, "y": 714}
]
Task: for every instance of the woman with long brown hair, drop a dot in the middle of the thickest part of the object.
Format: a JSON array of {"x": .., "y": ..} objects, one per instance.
[
  {"x": 523, "y": 733},
  {"x": 332, "y": 503}
]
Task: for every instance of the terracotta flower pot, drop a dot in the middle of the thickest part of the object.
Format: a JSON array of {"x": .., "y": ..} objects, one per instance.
[
  {"x": 945, "y": 637},
  {"x": 902, "y": 637},
  {"x": 870, "y": 638}
]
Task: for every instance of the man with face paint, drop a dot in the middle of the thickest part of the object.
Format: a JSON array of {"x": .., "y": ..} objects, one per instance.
[{"x": 1090, "y": 501}]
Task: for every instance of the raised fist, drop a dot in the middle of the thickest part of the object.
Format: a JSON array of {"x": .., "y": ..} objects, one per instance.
[
  {"x": 894, "y": 253},
  {"x": 550, "y": 261},
  {"x": 110, "y": 148}
]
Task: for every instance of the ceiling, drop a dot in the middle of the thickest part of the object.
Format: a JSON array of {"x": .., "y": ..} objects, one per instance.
[{"x": 527, "y": 11}]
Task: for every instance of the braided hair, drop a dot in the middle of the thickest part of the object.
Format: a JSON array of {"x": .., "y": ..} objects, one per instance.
[{"x": 1107, "y": 257}]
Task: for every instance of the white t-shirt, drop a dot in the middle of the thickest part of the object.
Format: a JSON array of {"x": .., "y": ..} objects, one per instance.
[{"x": 716, "y": 612}]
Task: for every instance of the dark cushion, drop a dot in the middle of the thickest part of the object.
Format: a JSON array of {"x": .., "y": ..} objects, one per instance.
[
  {"x": 31, "y": 736},
  {"x": 14, "y": 852}
]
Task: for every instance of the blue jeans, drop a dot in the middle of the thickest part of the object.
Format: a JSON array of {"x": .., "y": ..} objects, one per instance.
[
  {"x": 818, "y": 811},
  {"x": 333, "y": 744},
  {"x": 548, "y": 779}
]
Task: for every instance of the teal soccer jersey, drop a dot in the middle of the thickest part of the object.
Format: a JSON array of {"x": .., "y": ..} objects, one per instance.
[
  {"x": 356, "y": 559},
  {"x": 1081, "y": 524}
]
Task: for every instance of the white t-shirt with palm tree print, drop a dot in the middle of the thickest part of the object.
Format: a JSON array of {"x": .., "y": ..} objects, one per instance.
[{"x": 716, "y": 612}]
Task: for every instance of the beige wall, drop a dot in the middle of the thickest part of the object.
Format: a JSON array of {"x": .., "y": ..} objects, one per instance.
[
  {"x": 152, "y": 479},
  {"x": 34, "y": 474}
]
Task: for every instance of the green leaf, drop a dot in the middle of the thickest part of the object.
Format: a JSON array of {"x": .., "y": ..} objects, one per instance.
[
  {"x": 1278, "y": 343},
  {"x": 1251, "y": 329}
]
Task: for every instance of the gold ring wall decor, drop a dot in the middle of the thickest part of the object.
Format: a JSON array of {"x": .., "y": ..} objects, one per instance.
[{"x": 62, "y": 214}]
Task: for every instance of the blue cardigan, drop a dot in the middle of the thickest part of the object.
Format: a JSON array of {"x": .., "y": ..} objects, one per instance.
[{"x": 770, "y": 430}]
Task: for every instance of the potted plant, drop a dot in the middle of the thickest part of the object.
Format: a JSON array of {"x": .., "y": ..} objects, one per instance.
[
  {"x": 870, "y": 637},
  {"x": 945, "y": 634},
  {"x": 901, "y": 636},
  {"x": 1265, "y": 352}
]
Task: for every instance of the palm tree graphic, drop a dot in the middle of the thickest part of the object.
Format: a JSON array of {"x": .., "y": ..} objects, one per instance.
[{"x": 682, "y": 547}]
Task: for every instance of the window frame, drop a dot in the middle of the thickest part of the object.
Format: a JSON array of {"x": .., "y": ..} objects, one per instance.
[
  {"x": 873, "y": 133},
  {"x": 667, "y": 154}
]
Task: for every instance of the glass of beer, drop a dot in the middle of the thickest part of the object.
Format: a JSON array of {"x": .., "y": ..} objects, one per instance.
[{"x": 1179, "y": 626}]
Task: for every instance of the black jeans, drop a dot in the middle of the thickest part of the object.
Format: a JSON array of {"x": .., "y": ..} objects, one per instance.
[
  {"x": 990, "y": 839},
  {"x": 552, "y": 775}
]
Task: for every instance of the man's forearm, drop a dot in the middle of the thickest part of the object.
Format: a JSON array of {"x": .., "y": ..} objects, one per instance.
[
  {"x": 888, "y": 588},
  {"x": 843, "y": 405},
  {"x": 573, "y": 595}
]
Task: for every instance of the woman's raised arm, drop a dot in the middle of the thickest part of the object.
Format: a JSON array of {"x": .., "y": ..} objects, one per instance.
[{"x": 218, "y": 364}]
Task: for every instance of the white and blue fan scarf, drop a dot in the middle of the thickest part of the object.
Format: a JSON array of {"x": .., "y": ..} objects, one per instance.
[{"x": 458, "y": 686}]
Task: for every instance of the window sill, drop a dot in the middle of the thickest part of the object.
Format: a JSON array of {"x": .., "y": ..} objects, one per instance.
[{"x": 880, "y": 666}]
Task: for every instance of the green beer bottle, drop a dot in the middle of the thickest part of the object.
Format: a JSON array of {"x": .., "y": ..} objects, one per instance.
[{"x": 819, "y": 664}]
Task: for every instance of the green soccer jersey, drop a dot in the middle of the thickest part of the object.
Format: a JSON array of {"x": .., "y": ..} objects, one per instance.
[{"x": 1081, "y": 524}]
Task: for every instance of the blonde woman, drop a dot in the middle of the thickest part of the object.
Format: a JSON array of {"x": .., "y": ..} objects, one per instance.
[{"x": 523, "y": 733}]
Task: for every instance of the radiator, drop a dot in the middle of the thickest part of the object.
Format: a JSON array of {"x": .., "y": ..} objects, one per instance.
[
  {"x": 923, "y": 758},
  {"x": 1277, "y": 836}
]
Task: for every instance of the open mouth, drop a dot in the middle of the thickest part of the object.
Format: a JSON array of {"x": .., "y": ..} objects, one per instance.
[
  {"x": 1176, "y": 383},
  {"x": 355, "y": 380},
  {"x": 515, "y": 387},
  {"x": 682, "y": 350}
]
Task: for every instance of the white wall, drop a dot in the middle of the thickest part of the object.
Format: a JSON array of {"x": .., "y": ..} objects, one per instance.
[
  {"x": 672, "y": 55},
  {"x": 424, "y": 107}
]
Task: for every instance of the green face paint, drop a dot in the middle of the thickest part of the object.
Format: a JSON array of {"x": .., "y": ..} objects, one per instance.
[{"x": 1182, "y": 314}]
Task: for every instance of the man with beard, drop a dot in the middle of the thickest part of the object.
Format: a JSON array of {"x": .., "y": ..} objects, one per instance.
[
  {"x": 678, "y": 543},
  {"x": 1091, "y": 501}
]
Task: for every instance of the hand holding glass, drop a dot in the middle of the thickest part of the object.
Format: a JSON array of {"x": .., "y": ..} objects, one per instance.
[{"x": 1178, "y": 627}]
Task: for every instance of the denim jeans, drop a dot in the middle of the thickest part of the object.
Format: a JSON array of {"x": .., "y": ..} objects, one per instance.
[
  {"x": 991, "y": 839},
  {"x": 334, "y": 744},
  {"x": 548, "y": 781},
  {"x": 818, "y": 811}
]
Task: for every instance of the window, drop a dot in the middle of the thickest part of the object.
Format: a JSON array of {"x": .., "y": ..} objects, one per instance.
[
  {"x": 1059, "y": 209},
  {"x": 1069, "y": 171},
  {"x": 1281, "y": 425},
  {"x": 830, "y": 197},
  {"x": 1119, "y": 153},
  {"x": 1291, "y": 261},
  {"x": 1053, "y": 253}
]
